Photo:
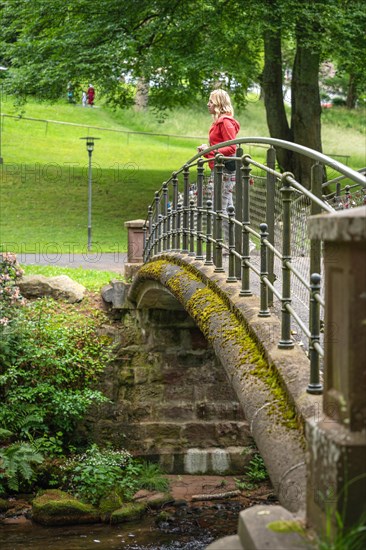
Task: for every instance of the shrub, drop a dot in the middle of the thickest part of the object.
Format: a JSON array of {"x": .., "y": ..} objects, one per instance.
[
  {"x": 98, "y": 474},
  {"x": 256, "y": 470},
  {"x": 10, "y": 296},
  {"x": 92, "y": 475},
  {"x": 51, "y": 364},
  {"x": 151, "y": 477},
  {"x": 10, "y": 301}
]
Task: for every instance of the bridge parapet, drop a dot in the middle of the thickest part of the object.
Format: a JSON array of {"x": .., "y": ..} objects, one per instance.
[{"x": 337, "y": 442}]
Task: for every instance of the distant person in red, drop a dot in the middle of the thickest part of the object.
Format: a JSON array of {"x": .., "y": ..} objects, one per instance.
[{"x": 91, "y": 94}]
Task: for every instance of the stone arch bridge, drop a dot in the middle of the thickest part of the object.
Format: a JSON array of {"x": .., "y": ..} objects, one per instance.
[
  {"x": 270, "y": 383},
  {"x": 197, "y": 258}
]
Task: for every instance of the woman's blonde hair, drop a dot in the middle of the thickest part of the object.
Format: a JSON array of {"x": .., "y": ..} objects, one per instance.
[{"x": 222, "y": 103}]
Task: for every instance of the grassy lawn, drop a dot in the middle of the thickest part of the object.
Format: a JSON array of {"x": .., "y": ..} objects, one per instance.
[
  {"x": 92, "y": 279},
  {"x": 44, "y": 187}
]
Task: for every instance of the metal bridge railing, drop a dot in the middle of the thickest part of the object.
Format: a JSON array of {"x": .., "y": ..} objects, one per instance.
[{"x": 264, "y": 236}]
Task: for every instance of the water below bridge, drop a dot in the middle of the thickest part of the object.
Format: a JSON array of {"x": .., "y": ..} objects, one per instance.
[
  {"x": 184, "y": 528},
  {"x": 184, "y": 524}
]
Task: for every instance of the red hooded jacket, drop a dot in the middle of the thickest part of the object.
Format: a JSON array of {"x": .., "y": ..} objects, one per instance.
[{"x": 225, "y": 128}]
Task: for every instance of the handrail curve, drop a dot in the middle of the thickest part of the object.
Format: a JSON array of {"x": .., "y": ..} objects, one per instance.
[{"x": 265, "y": 235}]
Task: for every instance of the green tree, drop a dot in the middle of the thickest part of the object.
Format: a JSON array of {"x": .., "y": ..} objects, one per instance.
[
  {"x": 177, "y": 51},
  {"x": 302, "y": 24},
  {"x": 349, "y": 51},
  {"x": 51, "y": 42}
]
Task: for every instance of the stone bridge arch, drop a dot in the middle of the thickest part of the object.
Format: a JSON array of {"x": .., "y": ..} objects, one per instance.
[{"x": 270, "y": 383}]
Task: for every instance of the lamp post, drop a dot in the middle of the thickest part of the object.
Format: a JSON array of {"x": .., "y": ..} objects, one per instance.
[
  {"x": 1, "y": 124},
  {"x": 90, "y": 147}
]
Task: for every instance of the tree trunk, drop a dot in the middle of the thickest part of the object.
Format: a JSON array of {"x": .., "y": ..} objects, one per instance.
[
  {"x": 142, "y": 93},
  {"x": 306, "y": 110},
  {"x": 272, "y": 82},
  {"x": 351, "y": 92}
]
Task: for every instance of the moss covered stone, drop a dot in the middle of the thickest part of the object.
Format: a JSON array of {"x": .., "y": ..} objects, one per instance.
[
  {"x": 109, "y": 504},
  {"x": 153, "y": 500},
  {"x": 56, "y": 507},
  {"x": 130, "y": 511}
]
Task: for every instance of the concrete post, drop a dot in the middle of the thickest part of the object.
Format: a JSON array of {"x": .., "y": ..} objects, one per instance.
[
  {"x": 135, "y": 229},
  {"x": 337, "y": 436}
]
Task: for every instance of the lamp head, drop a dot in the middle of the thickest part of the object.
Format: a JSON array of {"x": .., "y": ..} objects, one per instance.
[{"x": 90, "y": 143}]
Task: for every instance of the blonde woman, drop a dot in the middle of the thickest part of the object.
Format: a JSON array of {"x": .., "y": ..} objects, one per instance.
[{"x": 224, "y": 128}]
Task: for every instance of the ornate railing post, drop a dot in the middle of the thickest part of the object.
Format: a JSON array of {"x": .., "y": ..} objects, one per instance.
[
  {"x": 174, "y": 212},
  {"x": 179, "y": 227},
  {"x": 270, "y": 216},
  {"x": 168, "y": 229},
  {"x": 218, "y": 236},
  {"x": 200, "y": 171},
  {"x": 164, "y": 213},
  {"x": 264, "y": 311},
  {"x": 347, "y": 202},
  {"x": 160, "y": 232},
  {"x": 286, "y": 190},
  {"x": 208, "y": 234},
  {"x": 338, "y": 190},
  {"x": 231, "y": 278},
  {"x": 191, "y": 228},
  {"x": 317, "y": 172},
  {"x": 185, "y": 209},
  {"x": 154, "y": 242},
  {"x": 245, "y": 284},
  {"x": 314, "y": 385},
  {"x": 238, "y": 210},
  {"x": 157, "y": 243},
  {"x": 150, "y": 229}
]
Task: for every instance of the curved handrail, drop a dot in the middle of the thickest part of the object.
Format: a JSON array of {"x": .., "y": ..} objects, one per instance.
[
  {"x": 177, "y": 225},
  {"x": 301, "y": 149},
  {"x": 340, "y": 178},
  {"x": 346, "y": 171}
]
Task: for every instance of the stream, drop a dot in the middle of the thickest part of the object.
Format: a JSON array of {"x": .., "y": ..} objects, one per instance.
[{"x": 185, "y": 528}]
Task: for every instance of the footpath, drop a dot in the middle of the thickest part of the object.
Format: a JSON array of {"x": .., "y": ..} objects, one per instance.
[{"x": 103, "y": 261}]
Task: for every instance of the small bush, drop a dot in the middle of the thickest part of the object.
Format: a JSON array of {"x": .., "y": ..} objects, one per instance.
[
  {"x": 92, "y": 475},
  {"x": 53, "y": 361},
  {"x": 151, "y": 477},
  {"x": 99, "y": 473},
  {"x": 256, "y": 471}
]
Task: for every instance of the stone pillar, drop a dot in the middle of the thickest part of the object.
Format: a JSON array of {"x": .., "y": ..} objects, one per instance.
[
  {"x": 337, "y": 436},
  {"x": 135, "y": 246}
]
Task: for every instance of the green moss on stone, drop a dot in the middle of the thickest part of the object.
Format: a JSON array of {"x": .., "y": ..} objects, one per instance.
[
  {"x": 210, "y": 302},
  {"x": 152, "y": 270},
  {"x": 128, "y": 512},
  {"x": 110, "y": 504},
  {"x": 286, "y": 526},
  {"x": 159, "y": 500},
  {"x": 55, "y": 507}
]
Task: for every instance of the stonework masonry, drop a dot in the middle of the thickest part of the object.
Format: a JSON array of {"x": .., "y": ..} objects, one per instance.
[{"x": 171, "y": 400}]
